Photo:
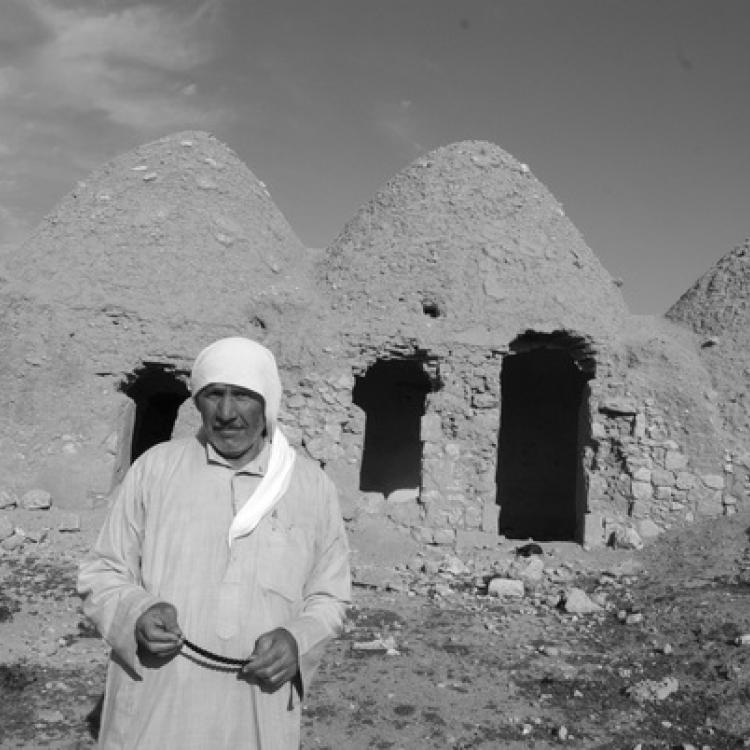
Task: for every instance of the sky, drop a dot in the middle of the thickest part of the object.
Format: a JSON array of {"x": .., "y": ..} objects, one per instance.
[{"x": 634, "y": 113}]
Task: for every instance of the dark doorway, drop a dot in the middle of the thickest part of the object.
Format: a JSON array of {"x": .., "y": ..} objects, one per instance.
[
  {"x": 158, "y": 392},
  {"x": 539, "y": 475},
  {"x": 392, "y": 395}
]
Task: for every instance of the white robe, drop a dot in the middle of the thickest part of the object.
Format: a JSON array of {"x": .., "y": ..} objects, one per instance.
[{"x": 165, "y": 539}]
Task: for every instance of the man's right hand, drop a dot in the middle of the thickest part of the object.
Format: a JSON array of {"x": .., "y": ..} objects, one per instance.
[{"x": 157, "y": 630}]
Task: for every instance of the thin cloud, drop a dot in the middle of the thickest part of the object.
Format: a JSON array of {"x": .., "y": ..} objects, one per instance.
[
  {"x": 124, "y": 62},
  {"x": 87, "y": 77},
  {"x": 399, "y": 124}
]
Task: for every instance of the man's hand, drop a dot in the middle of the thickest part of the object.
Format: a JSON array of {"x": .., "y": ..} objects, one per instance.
[
  {"x": 275, "y": 659},
  {"x": 157, "y": 630}
]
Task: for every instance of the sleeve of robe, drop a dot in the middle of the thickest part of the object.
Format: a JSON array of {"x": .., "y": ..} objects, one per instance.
[
  {"x": 327, "y": 590},
  {"x": 109, "y": 578}
]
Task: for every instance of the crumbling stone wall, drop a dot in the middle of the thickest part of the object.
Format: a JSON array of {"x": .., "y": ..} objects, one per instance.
[{"x": 639, "y": 475}]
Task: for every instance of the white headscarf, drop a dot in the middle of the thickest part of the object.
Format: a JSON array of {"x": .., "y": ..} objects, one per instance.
[
  {"x": 247, "y": 364},
  {"x": 244, "y": 363}
]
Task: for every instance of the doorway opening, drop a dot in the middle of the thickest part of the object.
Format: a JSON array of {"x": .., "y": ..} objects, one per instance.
[
  {"x": 392, "y": 394},
  {"x": 157, "y": 391},
  {"x": 544, "y": 426}
]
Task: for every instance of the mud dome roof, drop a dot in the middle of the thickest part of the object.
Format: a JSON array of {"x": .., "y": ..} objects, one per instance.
[
  {"x": 718, "y": 304},
  {"x": 467, "y": 235},
  {"x": 717, "y": 308},
  {"x": 178, "y": 226}
]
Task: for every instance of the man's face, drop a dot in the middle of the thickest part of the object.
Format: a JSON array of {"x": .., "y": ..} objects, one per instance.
[{"x": 233, "y": 419}]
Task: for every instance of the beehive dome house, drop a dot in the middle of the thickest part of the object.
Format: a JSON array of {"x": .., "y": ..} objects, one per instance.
[{"x": 457, "y": 359}]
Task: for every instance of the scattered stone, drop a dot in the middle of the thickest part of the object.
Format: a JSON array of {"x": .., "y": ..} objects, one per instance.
[
  {"x": 403, "y": 495},
  {"x": 387, "y": 645},
  {"x": 69, "y": 523},
  {"x": 36, "y": 500},
  {"x": 13, "y": 542},
  {"x": 553, "y": 601},
  {"x": 453, "y": 565},
  {"x": 650, "y": 691},
  {"x": 49, "y": 715},
  {"x": 506, "y": 588},
  {"x": 626, "y": 537},
  {"x": 6, "y": 528},
  {"x": 442, "y": 589},
  {"x": 532, "y": 573},
  {"x": 7, "y": 499},
  {"x": 648, "y": 529},
  {"x": 576, "y": 601}
]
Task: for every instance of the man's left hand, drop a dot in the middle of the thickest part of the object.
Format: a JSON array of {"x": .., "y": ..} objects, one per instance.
[{"x": 275, "y": 659}]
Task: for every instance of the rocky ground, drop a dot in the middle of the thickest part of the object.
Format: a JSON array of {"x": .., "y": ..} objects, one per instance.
[{"x": 589, "y": 649}]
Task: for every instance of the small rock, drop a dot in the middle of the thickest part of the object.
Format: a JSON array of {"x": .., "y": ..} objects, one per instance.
[
  {"x": 69, "y": 523},
  {"x": 742, "y": 640},
  {"x": 648, "y": 529},
  {"x": 13, "y": 542},
  {"x": 553, "y": 600},
  {"x": 451, "y": 564},
  {"x": 653, "y": 690},
  {"x": 407, "y": 495},
  {"x": 577, "y": 601},
  {"x": 150, "y": 177},
  {"x": 506, "y": 587},
  {"x": 625, "y": 537},
  {"x": 6, "y": 528},
  {"x": 49, "y": 715},
  {"x": 633, "y": 618},
  {"x": 36, "y": 500},
  {"x": 387, "y": 645},
  {"x": 442, "y": 589},
  {"x": 533, "y": 572},
  {"x": 7, "y": 499},
  {"x": 562, "y": 733}
]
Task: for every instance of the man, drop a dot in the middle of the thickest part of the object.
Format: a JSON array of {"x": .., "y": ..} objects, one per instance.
[{"x": 219, "y": 574}]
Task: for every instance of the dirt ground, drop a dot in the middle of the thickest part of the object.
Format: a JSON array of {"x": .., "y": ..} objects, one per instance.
[{"x": 432, "y": 661}]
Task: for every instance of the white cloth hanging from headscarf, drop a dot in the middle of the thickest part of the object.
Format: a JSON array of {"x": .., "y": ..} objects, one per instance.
[
  {"x": 270, "y": 490},
  {"x": 247, "y": 364}
]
